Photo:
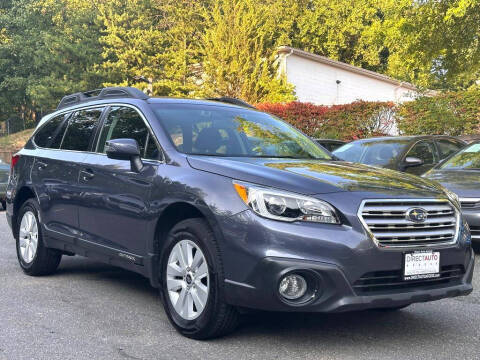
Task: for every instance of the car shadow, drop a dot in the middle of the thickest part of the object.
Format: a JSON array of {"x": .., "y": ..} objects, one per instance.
[
  {"x": 84, "y": 268},
  {"x": 309, "y": 329}
]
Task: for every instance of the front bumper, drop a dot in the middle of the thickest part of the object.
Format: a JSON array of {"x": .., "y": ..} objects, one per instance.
[
  {"x": 335, "y": 293},
  {"x": 260, "y": 251}
]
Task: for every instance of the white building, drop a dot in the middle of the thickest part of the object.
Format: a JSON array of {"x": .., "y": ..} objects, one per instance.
[{"x": 323, "y": 81}]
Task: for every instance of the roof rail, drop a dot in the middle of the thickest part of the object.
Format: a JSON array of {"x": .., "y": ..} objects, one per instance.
[
  {"x": 234, "y": 101},
  {"x": 101, "y": 94}
]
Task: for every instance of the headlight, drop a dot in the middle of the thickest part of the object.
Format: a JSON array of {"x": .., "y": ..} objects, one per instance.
[{"x": 285, "y": 206}]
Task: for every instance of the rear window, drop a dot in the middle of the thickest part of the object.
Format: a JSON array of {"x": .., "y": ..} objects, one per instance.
[
  {"x": 50, "y": 135},
  {"x": 81, "y": 128},
  {"x": 448, "y": 147}
]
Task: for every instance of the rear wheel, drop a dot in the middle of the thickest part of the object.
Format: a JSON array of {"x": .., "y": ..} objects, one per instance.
[
  {"x": 34, "y": 258},
  {"x": 192, "y": 282}
]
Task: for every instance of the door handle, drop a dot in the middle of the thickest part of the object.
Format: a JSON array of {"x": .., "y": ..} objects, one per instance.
[
  {"x": 41, "y": 165},
  {"x": 87, "y": 174}
]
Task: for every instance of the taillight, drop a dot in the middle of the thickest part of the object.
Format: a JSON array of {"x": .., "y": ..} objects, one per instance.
[{"x": 14, "y": 162}]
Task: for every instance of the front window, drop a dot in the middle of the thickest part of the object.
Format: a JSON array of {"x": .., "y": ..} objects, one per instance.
[
  {"x": 466, "y": 159},
  {"x": 376, "y": 153},
  {"x": 125, "y": 122},
  {"x": 424, "y": 151},
  {"x": 227, "y": 131}
]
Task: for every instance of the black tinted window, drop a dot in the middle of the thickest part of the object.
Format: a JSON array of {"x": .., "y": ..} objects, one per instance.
[
  {"x": 80, "y": 129},
  {"x": 448, "y": 147},
  {"x": 126, "y": 123},
  {"x": 424, "y": 151},
  {"x": 50, "y": 135}
]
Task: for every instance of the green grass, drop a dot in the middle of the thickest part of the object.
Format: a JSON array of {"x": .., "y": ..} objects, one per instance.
[{"x": 15, "y": 141}]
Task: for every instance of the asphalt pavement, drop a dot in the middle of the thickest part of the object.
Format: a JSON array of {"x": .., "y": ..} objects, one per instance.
[{"x": 89, "y": 310}]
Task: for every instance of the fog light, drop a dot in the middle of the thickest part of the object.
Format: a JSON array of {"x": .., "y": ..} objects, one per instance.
[{"x": 293, "y": 287}]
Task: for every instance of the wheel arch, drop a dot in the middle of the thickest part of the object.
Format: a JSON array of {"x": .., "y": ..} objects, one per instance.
[
  {"x": 172, "y": 214},
  {"x": 23, "y": 194}
]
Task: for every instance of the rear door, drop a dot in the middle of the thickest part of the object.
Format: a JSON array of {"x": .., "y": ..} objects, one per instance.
[
  {"x": 62, "y": 144},
  {"x": 114, "y": 208}
]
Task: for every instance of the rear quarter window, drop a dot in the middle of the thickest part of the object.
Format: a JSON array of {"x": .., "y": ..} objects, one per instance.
[{"x": 50, "y": 135}]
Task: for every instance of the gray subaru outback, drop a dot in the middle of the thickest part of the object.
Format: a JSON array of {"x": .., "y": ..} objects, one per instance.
[{"x": 226, "y": 208}]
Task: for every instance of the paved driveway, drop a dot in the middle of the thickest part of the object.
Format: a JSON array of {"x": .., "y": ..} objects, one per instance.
[{"x": 93, "y": 311}]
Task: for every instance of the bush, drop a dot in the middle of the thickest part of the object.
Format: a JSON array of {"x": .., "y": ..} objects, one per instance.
[
  {"x": 347, "y": 122},
  {"x": 449, "y": 113}
]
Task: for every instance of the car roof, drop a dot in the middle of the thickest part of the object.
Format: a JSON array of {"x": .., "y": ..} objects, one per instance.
[
  {"x": 150, "y": 100},
  {"x": 172, "y": 100}
]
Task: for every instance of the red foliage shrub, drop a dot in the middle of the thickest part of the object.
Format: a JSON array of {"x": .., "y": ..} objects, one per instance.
[{"x": 348, "y": 122}]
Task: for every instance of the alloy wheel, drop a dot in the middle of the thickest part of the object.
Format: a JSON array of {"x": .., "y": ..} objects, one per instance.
[
  {"x": 28, "y": 237},
  {"x": 187, "y": 279}
]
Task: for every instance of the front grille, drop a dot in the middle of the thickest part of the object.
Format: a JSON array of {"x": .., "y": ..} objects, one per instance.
[
  {"x": 385, "y": 281},
  {"x": 387, "y": 221},
  {"x": 470, "y": 203},
  {"x": 475, "y": 230}
]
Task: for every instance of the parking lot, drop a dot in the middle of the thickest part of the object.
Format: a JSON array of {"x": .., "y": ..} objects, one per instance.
[{"x": 93, "y": 311}]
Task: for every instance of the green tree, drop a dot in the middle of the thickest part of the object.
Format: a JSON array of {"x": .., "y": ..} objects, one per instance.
[
  {"x": 47, "y": 48},
  {"x": 239, "y": 49},
  {"x": 434, "y": 43},
  {"x": 154, "y": 39},
  {"x": 344, "y": 30}
]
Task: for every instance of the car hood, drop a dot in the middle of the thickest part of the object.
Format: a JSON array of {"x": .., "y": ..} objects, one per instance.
[
  {"x": 465, "y": 183},
  {"x": 316, "y": 176}
]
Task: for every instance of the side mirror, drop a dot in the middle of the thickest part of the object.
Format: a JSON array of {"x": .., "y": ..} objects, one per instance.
[
  {"x": 125, "y": 149},
  {"x": 411, "y": 161}
]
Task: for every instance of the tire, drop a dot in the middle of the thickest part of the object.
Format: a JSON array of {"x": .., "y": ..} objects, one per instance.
[
  {"x": 4, "y": 205},
  {"x": 42, "y": 260},
  {"x": 217, "y": 318}
]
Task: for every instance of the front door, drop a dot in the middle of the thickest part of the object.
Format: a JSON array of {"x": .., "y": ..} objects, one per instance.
[{"x": 114, "y": 208}]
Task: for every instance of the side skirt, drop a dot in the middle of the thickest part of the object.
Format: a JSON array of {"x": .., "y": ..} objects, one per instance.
[{"x": 108, "y": 255}]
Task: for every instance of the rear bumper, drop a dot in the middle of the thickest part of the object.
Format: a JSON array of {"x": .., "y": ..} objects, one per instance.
[{"x": 335, "y": 294}]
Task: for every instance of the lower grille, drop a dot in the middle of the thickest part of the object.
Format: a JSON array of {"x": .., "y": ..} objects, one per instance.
[
  {"x": 391, "y": 224},
  {"x": 475, "y": 230},
  {"x": 385, "y": 281}
]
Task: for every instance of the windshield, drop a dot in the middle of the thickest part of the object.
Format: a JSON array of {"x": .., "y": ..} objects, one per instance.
[
  {"x": 468, "y": 158},
  {"x": 378, "y": 153},
  {"x": 228, "y": 131}
]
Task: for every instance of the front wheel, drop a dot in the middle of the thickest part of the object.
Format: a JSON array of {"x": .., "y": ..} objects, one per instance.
[
  {"x": 192, "y": 282},
  {"x": 34, "y": 258}
]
